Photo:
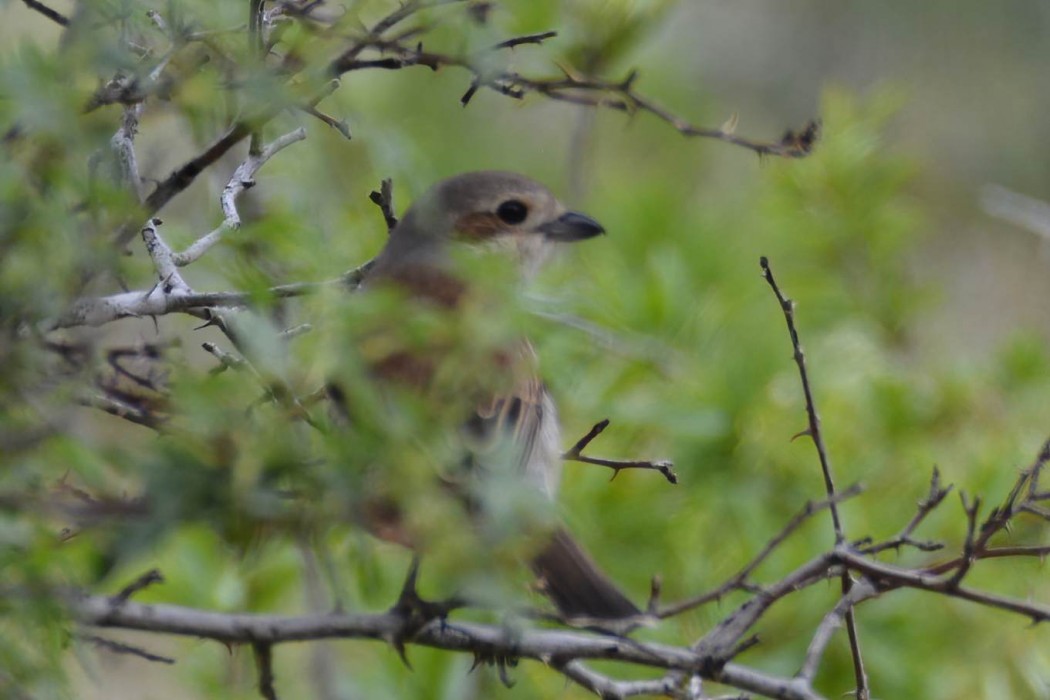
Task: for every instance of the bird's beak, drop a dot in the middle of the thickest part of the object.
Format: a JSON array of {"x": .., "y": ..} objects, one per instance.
[{"x": 571, "y": 226}]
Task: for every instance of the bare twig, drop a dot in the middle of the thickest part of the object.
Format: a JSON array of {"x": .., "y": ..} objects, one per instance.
[
  {"x": 264, "y": 664},
  {"x": 121, "y": 648},
  {"x": 787, "y": 306},
  {"x": 617, "y": 465},
  {"x": 887, "y": 576},
  {"x": 296, "y": 331},
  {"x": 142, "y": 582},
  {"x": 340, "y": 125},
  {"x": 257, "y": 46},
  {"x": 1039, "y": 551},
  {"x": 971, "y": 508},
  {"x": 934, "y": 497},
  {"x": 605, "y": 687},
  {"x": 184, "y": 176},
  {"x": 384, "y": 199},
  {"x": 171, "y": 281},
  {"x": 833, "y": 620},
  {"x": 663, "y": 466},
  {"x": 538, "y": 38},
  {"x": 617, "y": 95},
  {"x": 121, "y": 410},
  {"x": 53, "y": 15},
  {"x": 739, "y": 581},
  {"x": 582, "y": 443},
  {"x": 226, "y": 360},
  {"x": 242, "y": 179}
]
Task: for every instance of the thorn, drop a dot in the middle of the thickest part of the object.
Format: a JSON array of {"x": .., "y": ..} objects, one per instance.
[
  {"x": 504, "y": 675},
  {"x": 469, "y": 94},
  {"x": 805, "y": 433},
  {"x": 415, "y": 612},
  {"x": 628, "y": 82},
  {"x": 399, "y": 646}
]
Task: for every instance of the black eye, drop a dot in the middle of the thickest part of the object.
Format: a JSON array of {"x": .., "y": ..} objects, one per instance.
[{"x": 512, "y": 211}]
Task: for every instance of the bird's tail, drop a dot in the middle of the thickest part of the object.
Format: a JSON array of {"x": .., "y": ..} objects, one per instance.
[{"x": 573, "y": 581}]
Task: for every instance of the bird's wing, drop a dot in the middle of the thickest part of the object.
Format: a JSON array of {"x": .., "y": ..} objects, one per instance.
[{"x": 520, "y": 428}]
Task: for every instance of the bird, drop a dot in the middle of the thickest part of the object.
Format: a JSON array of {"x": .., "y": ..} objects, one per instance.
[{"x": 517, "y": 421}]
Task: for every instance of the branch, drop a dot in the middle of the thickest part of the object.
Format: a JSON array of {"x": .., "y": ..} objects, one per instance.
[
  {"x": 184, "y": 176},
  {"x": 524, "y": 39},
  {"x": 53, "y": 15},
  {"x": 739, "y": 581},
  {"x": 665, "y": 467},
  {"x": 934, "y": 497},
  {"x": 616, "y": 95},
  {"x": 98, "y": 311},
  {"x": 1039, "y": 551},
  {"x": 121, "y": 648},
  {"x": 490, "y": 640},
  {"x": 242, "y": 179},
  {"x": 888, "y": 576},
  {"x": 605, "y": 687},
  {"x": 264, "y": 662},
  {"x": 722, "y": 641},
  {"x": 402, "y": 13},
  {"x": 384, "y": 199},
  {"x": 788, "y": 308},
  {"x": 121, "y": 410},
  {"x": 142, "y": 582},
  {"x": 832, "y": 621}
]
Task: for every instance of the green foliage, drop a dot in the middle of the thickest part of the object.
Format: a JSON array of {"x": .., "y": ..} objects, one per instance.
[{"x": 664, "y": 326}]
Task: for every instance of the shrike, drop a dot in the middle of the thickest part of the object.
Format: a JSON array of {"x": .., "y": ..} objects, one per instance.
[{"x": 521, "y": 217}]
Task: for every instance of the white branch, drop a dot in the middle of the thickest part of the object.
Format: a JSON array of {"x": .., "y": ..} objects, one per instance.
[
  {"x": 242, "y": 179},
  {"x": 163, "y": 259},
  {"x": 173, "y": 294},
  {"x": 98, "y": 311}
]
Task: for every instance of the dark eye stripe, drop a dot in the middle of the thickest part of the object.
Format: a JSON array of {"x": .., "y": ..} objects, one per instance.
[{"x": 512, "y": 211}]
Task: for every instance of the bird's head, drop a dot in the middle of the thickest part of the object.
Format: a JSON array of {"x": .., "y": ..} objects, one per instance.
[{"x": 494, "y": 209}]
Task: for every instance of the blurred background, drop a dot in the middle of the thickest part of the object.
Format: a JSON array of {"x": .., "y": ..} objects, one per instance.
[{"x": 924, "y": 311}]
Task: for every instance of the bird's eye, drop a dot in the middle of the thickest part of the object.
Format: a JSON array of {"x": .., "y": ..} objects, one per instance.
[{"x": 512, "y": 212}]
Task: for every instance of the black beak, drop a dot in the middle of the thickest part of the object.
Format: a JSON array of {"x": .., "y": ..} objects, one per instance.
[{"x": 571, "y": 226}]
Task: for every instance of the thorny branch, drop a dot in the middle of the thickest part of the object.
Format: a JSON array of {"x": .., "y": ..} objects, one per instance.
[
  {"x": 787, "y": 306},
  {"x": 616, "y": 95},
  {"x": 575, "y": 455},
  {"x": 933, "y": 498},
  {"x": 404, "y": 50},
  {"x": 742, "y": 579},
  {"x": 487, "y": 640},
  {"x": 121, "y": 648},
  {"x": 711, "y": 657}
]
